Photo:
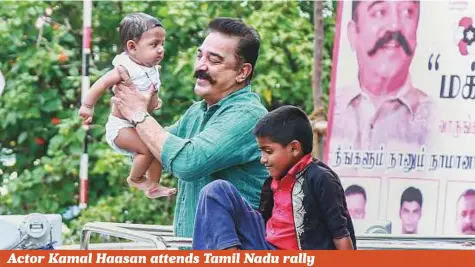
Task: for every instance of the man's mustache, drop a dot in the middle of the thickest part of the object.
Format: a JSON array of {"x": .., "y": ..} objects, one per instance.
[
  {"x": 388, "y": 37},
  {"x": 204, "y": 75}
]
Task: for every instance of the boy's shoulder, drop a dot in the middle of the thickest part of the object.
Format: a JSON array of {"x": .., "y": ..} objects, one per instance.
[{"x": 317, "y": 170}]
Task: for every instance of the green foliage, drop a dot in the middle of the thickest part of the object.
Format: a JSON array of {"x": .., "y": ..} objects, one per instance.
[
  {"x": 329, "y": 23},
  {"x": 40, "y": 126}
]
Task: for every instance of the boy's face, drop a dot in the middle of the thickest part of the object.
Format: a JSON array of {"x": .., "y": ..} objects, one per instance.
[
  {"x": 278, "y": 159},
  {"x": 149, "y": 50}
]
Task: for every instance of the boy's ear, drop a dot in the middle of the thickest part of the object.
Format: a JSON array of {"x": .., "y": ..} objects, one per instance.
[
  {"x": 131, "y": 46},
  {"x": 296, "y": 148}
]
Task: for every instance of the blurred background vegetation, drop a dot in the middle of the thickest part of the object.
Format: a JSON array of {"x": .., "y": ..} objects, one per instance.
[{"x": 41, "y": 137}]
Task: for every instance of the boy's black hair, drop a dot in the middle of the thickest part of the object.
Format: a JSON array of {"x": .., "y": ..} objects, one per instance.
[
  {"x": 284, "y": 125},
  {"x": 134, "y": 25}
]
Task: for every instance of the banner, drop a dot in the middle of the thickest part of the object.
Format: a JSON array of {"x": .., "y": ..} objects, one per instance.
[
  {"x": 402, "y": 114},
  {"x": 77, "y": 258}
]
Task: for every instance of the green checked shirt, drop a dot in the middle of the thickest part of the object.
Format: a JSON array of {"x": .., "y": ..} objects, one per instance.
[{"x": 214, "y": 143}]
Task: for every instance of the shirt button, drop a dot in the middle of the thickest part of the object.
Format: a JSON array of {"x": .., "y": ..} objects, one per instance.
[{"x": 371, "y": 126}]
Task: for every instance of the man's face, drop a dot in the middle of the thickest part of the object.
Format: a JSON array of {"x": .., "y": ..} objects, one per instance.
[
  {"x": 410, "y": 215},
  {"x": 384, "y": 36},
  {"x": 356, "y": 205},
  {"x": 466, "y": 215},
  {"x": 216, "y": 67}
]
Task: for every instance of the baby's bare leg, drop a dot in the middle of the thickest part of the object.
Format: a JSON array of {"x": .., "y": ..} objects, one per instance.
[
  {"x": 154, "y": 174},
  {"x": 129, "y": 140}
]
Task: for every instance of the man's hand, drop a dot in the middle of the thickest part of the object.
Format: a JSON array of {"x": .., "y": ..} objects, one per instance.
[{"x": 127, "y": 98}]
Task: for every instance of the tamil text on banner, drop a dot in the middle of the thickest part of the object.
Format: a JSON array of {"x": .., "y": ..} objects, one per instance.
[{"x": 402, "y": 114}]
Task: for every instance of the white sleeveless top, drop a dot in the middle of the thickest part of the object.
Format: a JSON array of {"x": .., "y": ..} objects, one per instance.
[{"x": 141, "y": 76}]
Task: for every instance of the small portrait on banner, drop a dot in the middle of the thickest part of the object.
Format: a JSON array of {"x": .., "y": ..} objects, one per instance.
[
  {"x": 412, "y": 205},
  {"x": 410, "y": 210},
  {"x": 362, "y": 197},
  {"x": 466, "y": 212},
  {"x": 459, "y": 217}
]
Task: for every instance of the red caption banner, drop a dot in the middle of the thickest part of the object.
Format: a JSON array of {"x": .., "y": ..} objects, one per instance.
[{"x": 365, "y": 258}]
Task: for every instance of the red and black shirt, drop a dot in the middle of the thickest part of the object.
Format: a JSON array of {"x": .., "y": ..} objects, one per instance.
[{"x": 306, "y": 209}]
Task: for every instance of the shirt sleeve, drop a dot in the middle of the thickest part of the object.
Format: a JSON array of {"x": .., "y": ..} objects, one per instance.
[
  {"x": 173, "y": 129},
  {"x": 227, "y": 141},
  {"x": 330, "y": 196}
]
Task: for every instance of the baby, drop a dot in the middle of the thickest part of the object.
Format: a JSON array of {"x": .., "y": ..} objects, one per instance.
[{"x": 142, "y": 37}]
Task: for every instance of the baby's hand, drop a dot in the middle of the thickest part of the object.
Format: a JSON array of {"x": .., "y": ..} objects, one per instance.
[{"x": 86, "y": 113}]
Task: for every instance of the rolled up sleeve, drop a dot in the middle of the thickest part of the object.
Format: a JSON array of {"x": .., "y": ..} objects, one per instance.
[{"x": 225, "y": 142}]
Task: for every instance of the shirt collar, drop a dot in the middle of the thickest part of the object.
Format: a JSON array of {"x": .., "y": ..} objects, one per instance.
[
  {"x": 288, "y": 180},
  {"x": 301, "y": 165},
  {"x": 204, "y": 105},
  {"x": 406, "y": 94}
]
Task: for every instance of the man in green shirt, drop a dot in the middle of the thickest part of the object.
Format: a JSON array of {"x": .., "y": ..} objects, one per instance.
[{"x": 213, "y": 139}]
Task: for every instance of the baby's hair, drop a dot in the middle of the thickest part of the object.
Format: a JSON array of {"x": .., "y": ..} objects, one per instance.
[
  {"x": 134, "y": 25},
  {"x": 285, "y": 124}
]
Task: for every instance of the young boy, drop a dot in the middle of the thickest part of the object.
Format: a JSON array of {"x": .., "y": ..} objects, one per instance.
[
  {"x": 142, "y": 37},
  {"x": 302, "y": 206}
]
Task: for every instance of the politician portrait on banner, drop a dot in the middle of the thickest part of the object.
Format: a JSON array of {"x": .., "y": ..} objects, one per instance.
[
  {"x": 383, "y": 106},
  {"x": 401, "y": 108}
]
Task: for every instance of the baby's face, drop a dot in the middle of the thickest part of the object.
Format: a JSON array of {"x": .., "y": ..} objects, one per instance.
[{"x": 150, "y": 48}]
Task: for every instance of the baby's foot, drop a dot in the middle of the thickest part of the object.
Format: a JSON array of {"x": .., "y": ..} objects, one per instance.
[
  {"x": 156, "y": 190},
  {"x": 139, "y": 182}
]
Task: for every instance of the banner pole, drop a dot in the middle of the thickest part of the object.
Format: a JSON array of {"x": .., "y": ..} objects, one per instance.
[{"x": 86, "y": 52}]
